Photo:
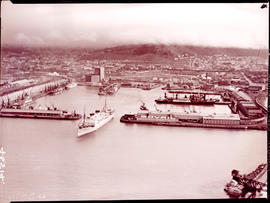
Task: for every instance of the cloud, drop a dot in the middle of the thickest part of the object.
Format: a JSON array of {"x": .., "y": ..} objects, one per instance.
[
  {"x": 21, "y": 38},
  {"x": 111, "y": 24}
]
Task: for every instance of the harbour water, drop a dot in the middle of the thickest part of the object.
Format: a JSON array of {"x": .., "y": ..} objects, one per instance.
[{"x": 46, "y": 161}]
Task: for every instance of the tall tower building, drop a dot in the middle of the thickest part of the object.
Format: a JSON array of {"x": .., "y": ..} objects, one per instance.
[{"x": 101, "y": 73}]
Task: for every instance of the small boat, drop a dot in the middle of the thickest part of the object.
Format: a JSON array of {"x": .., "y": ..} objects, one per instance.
[
  {"x": 143, "y": 107},
  {"x": 101, "y": 92},
  {"x": 71, "y": 85},
  {"x": 95, "y": 120},
  {"x": 28, "y": 100}
]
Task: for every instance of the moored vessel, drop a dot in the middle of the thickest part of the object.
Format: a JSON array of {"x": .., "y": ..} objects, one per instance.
[
  {"x": 231, "y": 121},
  {"x": 56, "y": 91},
  {"x": 109, "y": 89},
  {"x": 194, "y": 99},
  {"x": 39, "y": 114}
]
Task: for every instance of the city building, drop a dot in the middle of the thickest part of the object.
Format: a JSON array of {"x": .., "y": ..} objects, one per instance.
[{"x": 97, "y": 76}]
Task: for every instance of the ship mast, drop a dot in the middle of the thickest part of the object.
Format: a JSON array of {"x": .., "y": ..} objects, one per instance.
[
  {"x": 105, "y": 106},
  {"x": 84, "y": 116}
]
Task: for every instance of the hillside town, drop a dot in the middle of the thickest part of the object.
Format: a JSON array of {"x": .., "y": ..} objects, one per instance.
[{"x": 27, "y": 67}]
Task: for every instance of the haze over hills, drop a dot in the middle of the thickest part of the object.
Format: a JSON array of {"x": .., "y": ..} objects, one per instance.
[
  {"x": 149, "y": 51},
  {"x": 152, "y": 51}
]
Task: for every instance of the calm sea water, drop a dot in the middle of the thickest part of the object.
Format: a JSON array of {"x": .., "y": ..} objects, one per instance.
[{"x": 46, "y": 161}]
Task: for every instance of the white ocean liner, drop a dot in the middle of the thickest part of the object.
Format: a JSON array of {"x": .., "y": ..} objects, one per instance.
[{"x": 95, "y": 121}]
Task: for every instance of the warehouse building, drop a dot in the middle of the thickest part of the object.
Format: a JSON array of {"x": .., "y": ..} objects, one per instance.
[{"x": 232, "y": 119}]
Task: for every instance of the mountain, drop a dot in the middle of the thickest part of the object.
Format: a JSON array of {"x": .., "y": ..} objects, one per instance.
[
  {"x": 147, "y": 52},
  {"x": 161, "y": 51}
]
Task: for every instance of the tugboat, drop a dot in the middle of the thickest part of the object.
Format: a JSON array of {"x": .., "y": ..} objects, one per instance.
[
  {"x": 102, "y": 91},
  {"x": 95, "y": 120},
  {"x": 143, "y": 107},
  {"x": 247, "y": 186}
]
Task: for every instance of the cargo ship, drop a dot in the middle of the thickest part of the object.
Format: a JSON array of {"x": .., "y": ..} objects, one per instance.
[
  {"x": 231, "y": 121},
  {"x": 109, "y": 89},
  {"x": 252, "y": 185},
  {"x": 194, "y": 99},
  {"x": 22, "y": 101},
  {"x": 95, "y": 121},
  {"x": 39, "y": 114},
  {"x": 114, "y": 88},
  {"x": 56, "y": 91}
]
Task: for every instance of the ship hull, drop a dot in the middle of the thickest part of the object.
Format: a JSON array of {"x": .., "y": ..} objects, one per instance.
[
  {"x": 42, "y": 117},
  {"x": 88, "y": 130},
  {"x": 161, "y": 101},
  {"x": 38, "y": 114},
  {"x": 109, "y": 90},
  {"x": 54, "y": 93},
  {"x": 189, "y": 124}
]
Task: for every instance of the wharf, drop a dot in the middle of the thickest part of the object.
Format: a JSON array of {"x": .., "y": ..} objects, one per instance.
[
  {"x": 31, "y": 97},
  {"x": 16, "y": 89},
  {"x": 201, "y": 125},
  {"x": 223, "y": 102}
]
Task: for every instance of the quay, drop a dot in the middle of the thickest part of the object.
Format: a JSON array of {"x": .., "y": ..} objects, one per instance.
[
  {"x": 22, "y": 98},
  {"x": 194, "y": 120}
]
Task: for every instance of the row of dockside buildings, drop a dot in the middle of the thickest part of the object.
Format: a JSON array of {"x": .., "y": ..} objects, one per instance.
[{"x": 247, "y": 108}]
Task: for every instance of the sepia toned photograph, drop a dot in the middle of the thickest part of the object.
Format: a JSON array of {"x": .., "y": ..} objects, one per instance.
[{"x": 138, "y": 101}]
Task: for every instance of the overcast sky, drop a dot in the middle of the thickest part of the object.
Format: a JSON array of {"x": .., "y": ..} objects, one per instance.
[{"x": 101, "y": 25}]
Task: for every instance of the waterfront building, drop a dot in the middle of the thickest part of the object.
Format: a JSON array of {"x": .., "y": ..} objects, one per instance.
[
  {"x": 232, "y": 119},
  {"x": 95, "y": 78},
  {"x": 249, "y": 109},
  {"x": 88, "y": 77}
]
